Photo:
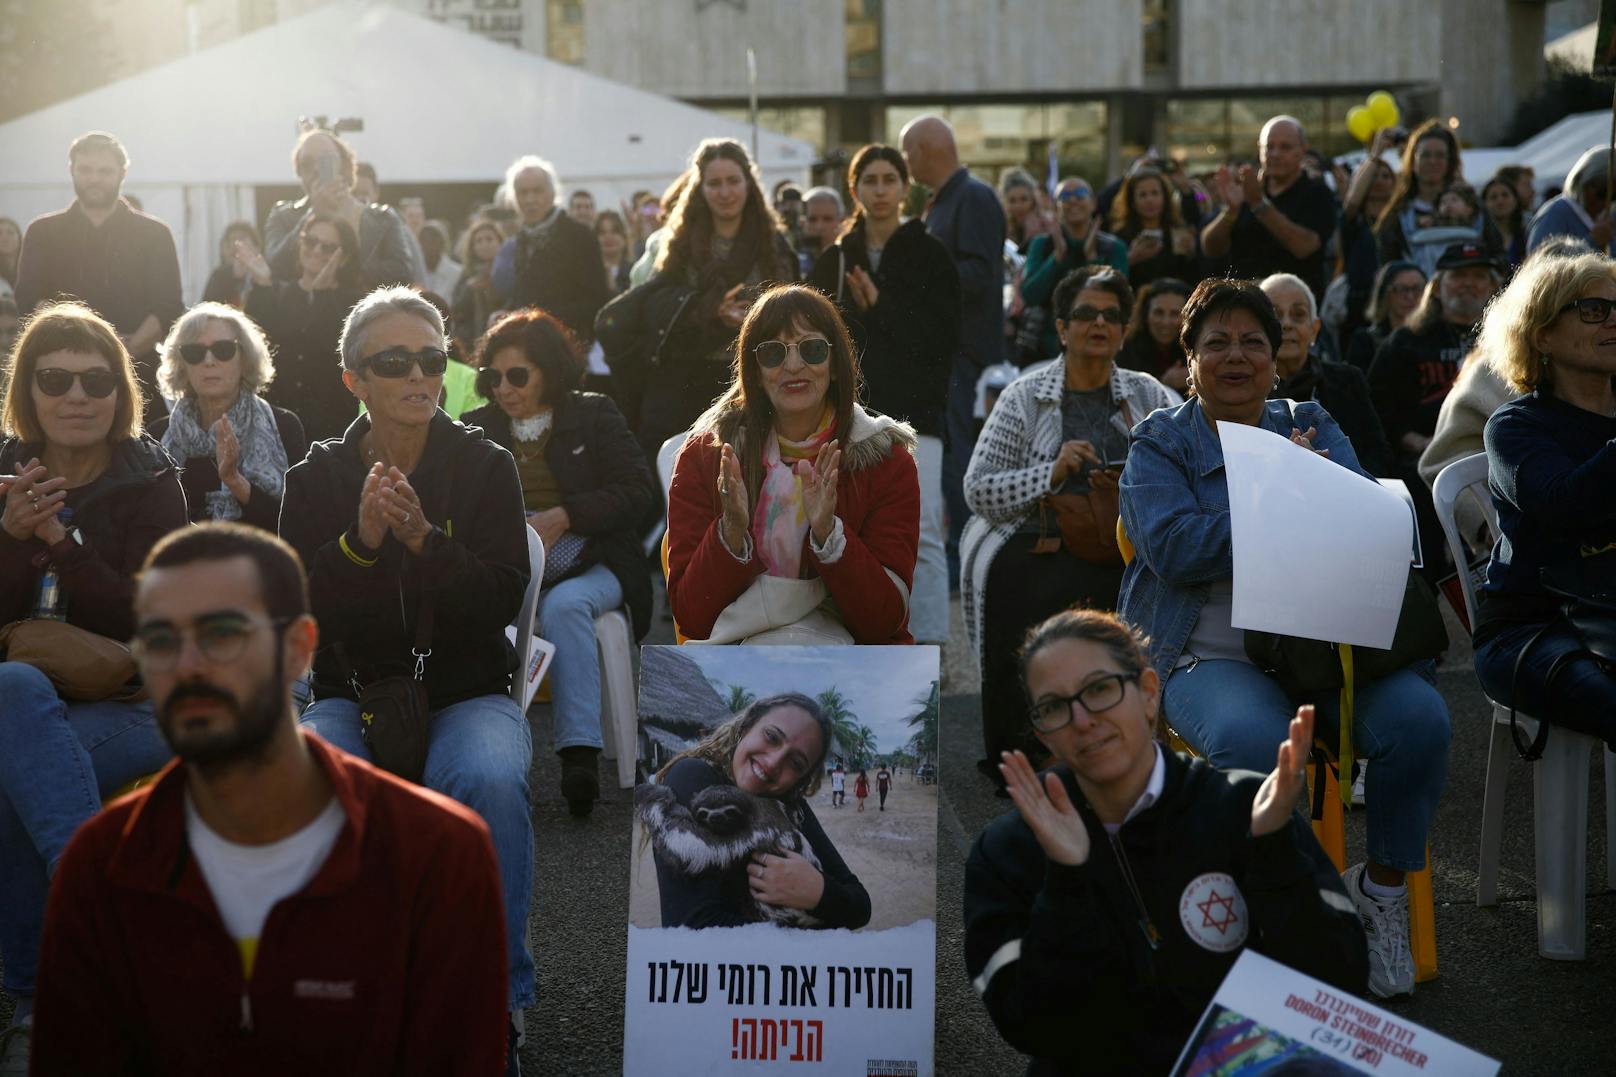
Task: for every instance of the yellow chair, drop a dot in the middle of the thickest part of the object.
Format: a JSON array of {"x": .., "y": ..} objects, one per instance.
[{"x": 678, "y": 637}]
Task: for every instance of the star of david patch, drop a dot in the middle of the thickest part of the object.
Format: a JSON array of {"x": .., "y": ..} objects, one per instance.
[{"x": 1213, "y": 912}]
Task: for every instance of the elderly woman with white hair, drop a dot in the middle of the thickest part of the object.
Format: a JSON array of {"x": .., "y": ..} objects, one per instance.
[
  {"x": 1551, "y": 459},
  {"x": 412, "y": 530},
  {"x": 233, "y": 445},
  {"x": 1582, "y": 211}
]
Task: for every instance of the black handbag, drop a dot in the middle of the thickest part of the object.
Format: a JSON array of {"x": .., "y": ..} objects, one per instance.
[
  {"x": 1586, "y": 594},
  {"x": 396, "y": 716},
  {"x": 1309, "y": 669}
]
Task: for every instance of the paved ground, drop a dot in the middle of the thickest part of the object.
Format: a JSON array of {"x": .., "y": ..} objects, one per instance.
[{"x": 1495, "y": 993}]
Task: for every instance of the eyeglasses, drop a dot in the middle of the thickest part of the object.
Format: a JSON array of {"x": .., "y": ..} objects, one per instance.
[
  {"x": 223, "y": 350},
  {"x": 53, "y": 381},
  {"x": 326, "y": 247},
  {"x": 221, "y": 637},
  {"x": 1593, "y": 310},
  {"x": 1071, "y": 194},
  {"x": 488, "y": 379},
  {"x": 1406, "y": 289},
  {"x": 1100, "y": 694},
  {"x": 771, "y": 353},
  {"x": 1087, "y": 313},
  {"x": 396, "y": 362}
]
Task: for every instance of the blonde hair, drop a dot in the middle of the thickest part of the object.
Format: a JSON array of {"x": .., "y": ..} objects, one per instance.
[
  {"x": 1534, "y": 299},
  {"x": 257, "y": 368}
]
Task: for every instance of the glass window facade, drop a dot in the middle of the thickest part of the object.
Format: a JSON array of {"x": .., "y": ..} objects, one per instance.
[
  {"x": 806, "y": 122},
  {"x": 864, "y": 40},
  {"x": 993, "y": 138},
  {"x": 1205, "y": 132},
  {"x": 564, "y": 30},
  {"x": 1157, "y": 36}
]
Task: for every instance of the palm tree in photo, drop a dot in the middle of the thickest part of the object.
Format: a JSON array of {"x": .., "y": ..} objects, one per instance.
[
  {"x": 924, "y": 722},
  {"x": 843, "y": 722},
  {"x": 739, "y": 698}
]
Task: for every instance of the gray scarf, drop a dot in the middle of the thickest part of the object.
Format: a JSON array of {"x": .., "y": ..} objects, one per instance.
[{"x": 263, "y": 456}]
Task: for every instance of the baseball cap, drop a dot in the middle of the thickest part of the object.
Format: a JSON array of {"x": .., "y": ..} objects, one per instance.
[{"x": 1461, "y": 255}]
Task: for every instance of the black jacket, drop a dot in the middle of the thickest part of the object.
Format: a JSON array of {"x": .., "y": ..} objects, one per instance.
[
  {"x": 1411, "y": 376},
  {"x": 606, "y": 486},
  {"x": 305, "y": 328},
  {"x": 1076, "y": 983},
  {"x": 560, "y": 272},
  {"x": 200, "y": 474},
  {"x": 475, "y": 564},
  {"x": 1343, "y": 391},
  {"x": 907, "y": 341},
  {"x": 135, "y": 502}
]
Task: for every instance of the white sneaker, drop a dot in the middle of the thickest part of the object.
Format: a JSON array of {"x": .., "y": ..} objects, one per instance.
[
  {"x": 1358, "y": 784},
  {"x": 1391, "y": 962}
]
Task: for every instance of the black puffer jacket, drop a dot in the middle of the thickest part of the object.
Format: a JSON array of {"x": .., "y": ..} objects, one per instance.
[
  {"x": 1060, "y": 955},
  {"x": 605, "y": 486},
  {"x": 135, "y": 502},
  {"x": 907, "y": 341},
  {"x": 475, "y": 564}
]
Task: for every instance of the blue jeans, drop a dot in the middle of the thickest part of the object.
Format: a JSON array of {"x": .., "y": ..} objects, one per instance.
[
  {"x": 567, "y": 615},
  {"x": 1582, "y": 697},
  {"x": 479, "y": 753},
  {"x": 57, "y": 760},
  {"x": 1235, "y": 715},
  {"x": 928, "y": 599},
  {"x": 959, "y": 440}
]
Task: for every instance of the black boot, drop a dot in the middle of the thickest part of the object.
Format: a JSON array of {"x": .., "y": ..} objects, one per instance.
[{"x": 580, "y": 779}]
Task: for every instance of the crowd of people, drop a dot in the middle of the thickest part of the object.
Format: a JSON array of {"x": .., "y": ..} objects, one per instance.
[{"x": 312, "y": 500}]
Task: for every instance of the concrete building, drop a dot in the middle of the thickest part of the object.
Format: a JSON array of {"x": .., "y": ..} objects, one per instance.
[{"x": 1096, "y": 80}]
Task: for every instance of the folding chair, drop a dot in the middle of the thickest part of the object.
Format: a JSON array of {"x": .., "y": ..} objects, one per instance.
[
  {"x": 1560, "y": 778},
  {"x": 521, "y": 688},
  {"x": 619, "y": 712}
]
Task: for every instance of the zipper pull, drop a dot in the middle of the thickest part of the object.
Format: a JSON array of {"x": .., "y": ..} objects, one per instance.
[{"x": 246, "y": 1014}]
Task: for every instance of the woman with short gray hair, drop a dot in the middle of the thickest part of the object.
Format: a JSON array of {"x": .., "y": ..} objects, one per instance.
[{"x": 233, "y": 445}]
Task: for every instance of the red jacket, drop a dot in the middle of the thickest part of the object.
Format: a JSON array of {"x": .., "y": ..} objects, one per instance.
[
  {"x": 878, "y": 499},
  {"x": 390, "y": 961}
]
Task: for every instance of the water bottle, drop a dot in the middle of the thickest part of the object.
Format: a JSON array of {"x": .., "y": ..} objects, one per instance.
[{"x": 49, "y": 602}]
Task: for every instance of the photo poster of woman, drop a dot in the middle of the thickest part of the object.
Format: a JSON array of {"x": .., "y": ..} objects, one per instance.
[{"x": 779, "y": 921}]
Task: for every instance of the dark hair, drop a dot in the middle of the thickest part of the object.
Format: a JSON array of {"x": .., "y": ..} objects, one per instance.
[
  {"x": 1126, "y": 646},
  {"x": 67, "y": 327},
  {"x": 1102, "y": 277},
  {"x": 1375, "y": 313},
  {"x": 746, "y": 402},
  {"x": 348, "y": 271},
  {"x": 610, "y": 216},
  {"x": 1464, "y": 191},
  {"x": 580, "y": 192},
  {"x": 1220, "y": 295},
  {"x": 864, "y": 158},
  {"x": 1125, "y": 219},
  {"x": 366, "y": 170},
  {"x": 345, "y": 153},
  {"x": 281, "y": 580},
  {"x": 546, "y": 345},
  {"x": 240, "y": 228},
  {"x": 1139, "y": 323},
  {"x": 98, "y": 142},
  {"x": 1517, "y": 219},
  {"x": 690, "y": 224},
  {"x": 1407, "y": 182}
]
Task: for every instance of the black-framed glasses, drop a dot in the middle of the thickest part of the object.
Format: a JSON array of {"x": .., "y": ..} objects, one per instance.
[
  {"x": 1086, "y": 313},
  {"x": 221, "y": 637},
  {"x": 223, "y": 350},
  {"x": 489, "y": 379},
  {"x": 1592, "y": 310},
  {"x": 772, "y": 353},
  {"x": 1100, "y": 694},
  {"x": 325, "y": 246},
  {"x": 396, "y": 362},
  {"x": 54, "y": 381}
]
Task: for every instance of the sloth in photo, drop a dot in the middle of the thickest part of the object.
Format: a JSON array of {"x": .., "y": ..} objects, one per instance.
[{"x": 736, "y": 841}]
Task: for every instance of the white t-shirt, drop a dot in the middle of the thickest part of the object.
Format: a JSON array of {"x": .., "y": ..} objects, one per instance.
[
  {"x": 247, "y": 880},
  {"x": 838, "y": 781}
]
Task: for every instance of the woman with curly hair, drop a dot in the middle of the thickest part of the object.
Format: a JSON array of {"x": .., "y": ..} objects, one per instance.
[{"x": 1145, "y": 216}]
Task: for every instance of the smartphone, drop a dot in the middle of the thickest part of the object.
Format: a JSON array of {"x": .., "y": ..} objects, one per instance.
[
  {"x": 1151, "y": 233},
  {"x": 328, "y": 168}
]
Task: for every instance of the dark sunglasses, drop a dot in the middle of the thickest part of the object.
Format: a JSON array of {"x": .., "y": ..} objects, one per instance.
[
  {"x": 1592, "y": 310},
  {"x": 771, "y": 353},
  {"x": 1073, "y": 193},
  {"x": 1087, "y": 313},
  {"x": 223, "y": 350},
  {"x": 54, "y": 381},
  {"x": 396, "y": 362},
  {"x": 489, "y": 378},
  {"x": 309, "y": 243}
]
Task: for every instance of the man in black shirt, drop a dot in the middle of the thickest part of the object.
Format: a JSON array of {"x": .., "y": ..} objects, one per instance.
[
  {"x": 115, "y": 258},
  {"x": 1277, "y": 221}
]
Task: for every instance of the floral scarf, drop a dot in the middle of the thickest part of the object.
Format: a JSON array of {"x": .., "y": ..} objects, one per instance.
[{"x": 781, "y": 520}]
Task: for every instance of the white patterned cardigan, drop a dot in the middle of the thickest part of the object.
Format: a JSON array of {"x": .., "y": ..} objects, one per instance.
[{"x": 1014, "y": 459}]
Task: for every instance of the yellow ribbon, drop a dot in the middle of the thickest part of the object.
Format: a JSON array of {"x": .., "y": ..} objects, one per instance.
[{"x": 1344, "y": 759}]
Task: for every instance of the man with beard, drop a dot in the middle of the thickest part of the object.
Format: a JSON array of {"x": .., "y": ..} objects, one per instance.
[
  {"x": 1416, "y": 366},
  {"x": 269, "y": 904},
  {"x": 101, "y": 250}
]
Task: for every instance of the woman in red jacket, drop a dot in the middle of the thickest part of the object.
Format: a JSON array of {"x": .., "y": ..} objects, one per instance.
[{"x": 794, "y": 514}]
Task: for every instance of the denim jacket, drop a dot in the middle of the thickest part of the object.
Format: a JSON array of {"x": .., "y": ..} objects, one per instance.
[{"x": 1175, "y": 508}]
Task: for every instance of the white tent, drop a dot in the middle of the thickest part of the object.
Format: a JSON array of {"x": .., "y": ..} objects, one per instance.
[
  {"x": 1550, "y": 153},
  {"x": 439, "y": 105}
]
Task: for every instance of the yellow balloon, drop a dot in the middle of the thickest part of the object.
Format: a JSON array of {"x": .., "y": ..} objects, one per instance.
[
  {"x": 1383, "y": 109},
  {"x": 1360, "y": 123}
]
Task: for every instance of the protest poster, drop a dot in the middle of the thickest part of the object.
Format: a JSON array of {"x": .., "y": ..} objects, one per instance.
[
  {"x": 1268, "y": 1018},
  {"x": 721, "y": 981},
  {"x": 1319, "y": 551}
]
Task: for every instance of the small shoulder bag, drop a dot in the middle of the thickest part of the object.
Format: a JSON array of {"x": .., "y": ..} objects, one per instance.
[{"x": 394, "y": 710}]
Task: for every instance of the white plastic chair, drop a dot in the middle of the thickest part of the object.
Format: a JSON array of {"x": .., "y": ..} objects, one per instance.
[
  {"x": 619, "y": 710},
  {"x": 1560, "y": 778},
  {"x": 521, "y": 689},
  {"x": 665, "y": 457}
]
